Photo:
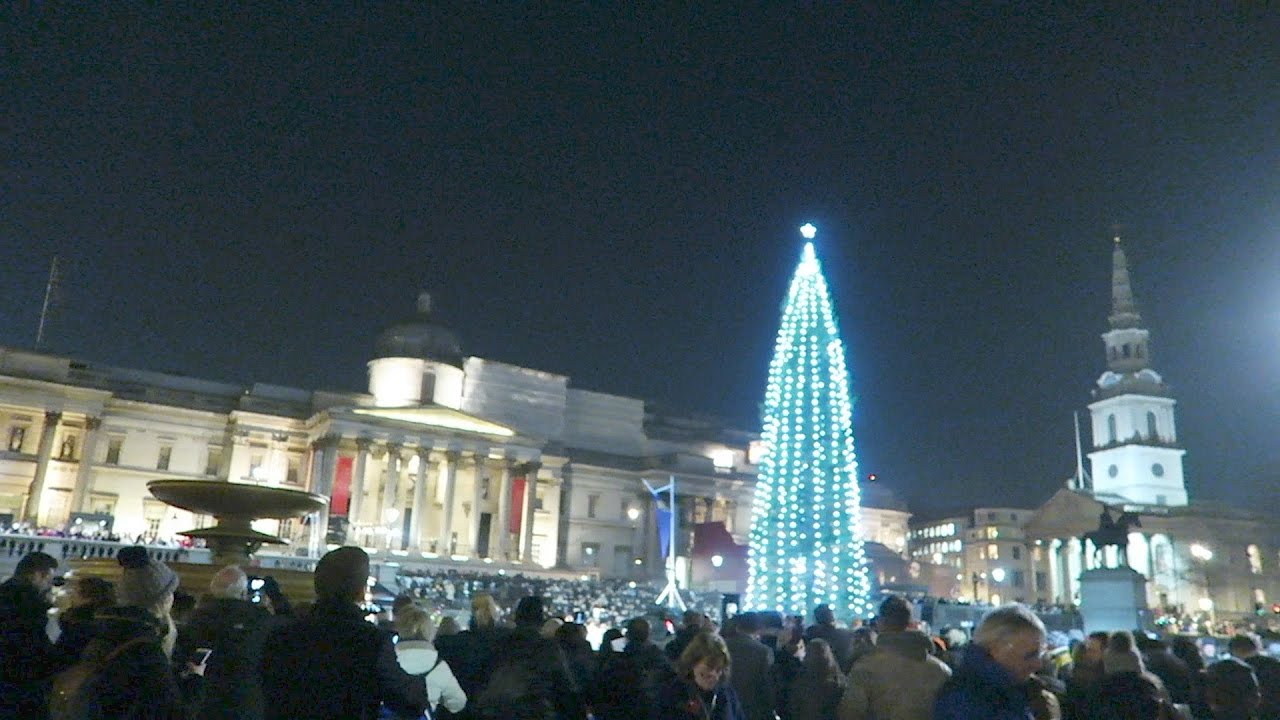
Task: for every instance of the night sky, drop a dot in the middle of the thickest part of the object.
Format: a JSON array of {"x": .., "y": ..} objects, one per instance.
[{"x": 614, "y": 194}]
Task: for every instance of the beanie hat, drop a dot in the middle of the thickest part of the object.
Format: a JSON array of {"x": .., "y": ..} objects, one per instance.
[{"x": 143, "y": 582}]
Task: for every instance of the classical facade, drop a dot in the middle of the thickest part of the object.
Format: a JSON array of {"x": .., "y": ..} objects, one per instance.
[{"x": 445, "y": 457}]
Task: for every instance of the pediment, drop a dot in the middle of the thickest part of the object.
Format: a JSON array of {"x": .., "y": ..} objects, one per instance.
[{"x": 1069, "y": 513}]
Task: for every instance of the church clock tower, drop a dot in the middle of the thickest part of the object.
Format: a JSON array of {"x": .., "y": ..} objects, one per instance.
[{"x": 1136, "y": 459}]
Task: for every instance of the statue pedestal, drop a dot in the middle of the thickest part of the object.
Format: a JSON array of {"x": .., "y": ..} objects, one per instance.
[{"x": 1113, "y": 599}]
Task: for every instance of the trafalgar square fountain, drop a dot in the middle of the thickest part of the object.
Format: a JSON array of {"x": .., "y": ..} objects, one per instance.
[{"x": 231, "y": 540}]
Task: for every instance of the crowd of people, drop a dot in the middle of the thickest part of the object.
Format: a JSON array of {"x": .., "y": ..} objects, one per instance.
[
  {"x": 128, "y": 650},
  {"x": 607, "y": 601}
]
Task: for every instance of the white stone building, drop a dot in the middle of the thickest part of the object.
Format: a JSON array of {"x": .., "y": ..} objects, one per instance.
[{"x": 446, "y": 456}]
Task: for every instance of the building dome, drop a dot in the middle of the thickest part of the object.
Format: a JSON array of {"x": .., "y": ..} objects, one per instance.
[{"x": 420, "y": 337}]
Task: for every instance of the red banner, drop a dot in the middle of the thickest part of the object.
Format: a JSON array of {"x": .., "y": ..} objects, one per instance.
[
  {"x": 340, "y": 498},
  {"x": 517, "y": 503}
]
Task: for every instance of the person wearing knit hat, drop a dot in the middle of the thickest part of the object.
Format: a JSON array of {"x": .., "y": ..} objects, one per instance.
[
  {"x": 144, "y": 582},
  {"x": 130, "y": 654}
]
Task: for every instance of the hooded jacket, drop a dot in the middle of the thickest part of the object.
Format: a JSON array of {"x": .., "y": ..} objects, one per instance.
[
  {"x": 419, "y": 658},
  {"x": 898, "y": 680}
]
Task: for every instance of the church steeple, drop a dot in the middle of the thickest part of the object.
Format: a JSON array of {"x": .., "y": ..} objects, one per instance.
[
  {"x": 1124, "y": 309},
  {"x": 1127, "y": 341},
  {"x": 1136, "y": 458}
]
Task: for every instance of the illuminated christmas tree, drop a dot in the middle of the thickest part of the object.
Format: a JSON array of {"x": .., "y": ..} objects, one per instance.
[{"x": 806, "y": 547}]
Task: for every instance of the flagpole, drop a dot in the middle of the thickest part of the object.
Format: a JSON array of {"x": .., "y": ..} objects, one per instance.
[{"x": 48, "y": 293}]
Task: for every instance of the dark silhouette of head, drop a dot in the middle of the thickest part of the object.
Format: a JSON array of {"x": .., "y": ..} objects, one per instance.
[{"x": 342, "y": 574}]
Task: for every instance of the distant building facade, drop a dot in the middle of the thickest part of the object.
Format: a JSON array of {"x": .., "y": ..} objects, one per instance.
[{"x": 446, "y": 457}]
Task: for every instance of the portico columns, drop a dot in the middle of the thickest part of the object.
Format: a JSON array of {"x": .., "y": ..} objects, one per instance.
[
  {"x": 390, "y": 498},
  {"x": 31, "y": 510},
  {"x": 473, "y": 526},
  {"x": 80, "y": 496},
  {"x": 504, "y": 512},
  {"x": 357, "y": 481},
  {"x": 449, "y": 477},
  {"x": 418, "y": 523},
  {"x": 526, "y": 515},
  {"x": 322, "y": 484}
]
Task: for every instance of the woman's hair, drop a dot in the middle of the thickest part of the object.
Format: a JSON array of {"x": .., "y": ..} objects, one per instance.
[
  {"x": 484, "y": 611},
  {"x": 820, "y": 662},
  {"x": 413, "y": 623},
  {"x": 707, "y": 647},
  {"x": 94, "y": 591},
  {"x": 448, "y": 626}
]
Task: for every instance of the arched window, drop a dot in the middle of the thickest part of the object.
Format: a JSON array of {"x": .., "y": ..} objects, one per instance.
[
  {"x": 1111, "y": 428},
  {"x": 1151, "y": 426}
]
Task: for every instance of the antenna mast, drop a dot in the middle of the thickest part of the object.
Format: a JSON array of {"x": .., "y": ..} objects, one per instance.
[
  {"x": 48, "y": 295},
  {"x": 1083, "y": 481}
]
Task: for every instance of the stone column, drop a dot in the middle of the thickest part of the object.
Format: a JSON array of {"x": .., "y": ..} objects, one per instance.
[
  {"x": 417, "y": 528},
  {"x": 393, "y": 500},
  {"x": 390, "y": 484},
  {"x": 504, "y": 512},
  {"x": 449, "y": 477},
  {"x": 473, "y": 526},
  {"x": 526, "y": 514},
  {"x": 357, "y": 482},
  {"x": 80, "y": 496},
  {"x": 563, "y": 519},
  {"x": 31, "y": 510},
  {"x": 319, "y": 540}
]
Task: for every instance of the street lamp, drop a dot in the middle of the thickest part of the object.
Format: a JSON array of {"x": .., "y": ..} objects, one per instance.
[
  {"x": 998, "y": 575},
  {"x": 633, "y": 513},
  {"x": 717, "y": 560}
]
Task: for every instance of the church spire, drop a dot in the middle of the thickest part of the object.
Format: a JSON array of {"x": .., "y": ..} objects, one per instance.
[{"x": 1124, "y": 309}]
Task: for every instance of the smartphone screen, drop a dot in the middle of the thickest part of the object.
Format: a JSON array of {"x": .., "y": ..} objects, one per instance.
[{"x": 201, "y": 655}]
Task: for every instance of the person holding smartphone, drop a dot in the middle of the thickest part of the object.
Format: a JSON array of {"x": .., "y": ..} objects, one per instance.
[{"x": 229, "y": 633}]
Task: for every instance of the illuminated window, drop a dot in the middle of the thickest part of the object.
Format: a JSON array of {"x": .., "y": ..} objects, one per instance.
[
  {"x": 166, "y": 454},
  {"x": 993, "y": 533},
  {"x": 295, "y": 470},
  {"x": 993, "y": 551},
  {"x": 591, "y": 554},
  {"x": 1255, "y": 559},
  {"x": 722, "y": 459}
]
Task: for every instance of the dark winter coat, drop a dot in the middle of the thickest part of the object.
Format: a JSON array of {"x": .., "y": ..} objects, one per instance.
[
  {"x": 332, "y": 665},
  {"x": 681, "y": 699},
  {"x": 27, "y": 659},
  {"x": 75, "y": 630},
  {"x": 815, "y": 698},
  {"x": 840, "y": 640},
  {"x": 751, "y": 675},
  {"x": 981, "y": 689},
  {"x": 471, "y": 655},
  {"x": 236, "y": 631},
  {"x": 627, "y": 682},
  {"x": 133, "y": 678},
  {"x": 530, "y": 681}
]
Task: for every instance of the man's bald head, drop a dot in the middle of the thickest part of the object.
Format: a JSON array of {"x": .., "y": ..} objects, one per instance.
[{"x": 230, "y": 582}]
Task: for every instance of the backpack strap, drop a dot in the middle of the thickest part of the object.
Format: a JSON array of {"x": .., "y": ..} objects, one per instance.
[{"x": 432, "y": 668}]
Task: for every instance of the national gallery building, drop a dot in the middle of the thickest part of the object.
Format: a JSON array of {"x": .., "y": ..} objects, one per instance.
[{"x": 446, "y": 458}]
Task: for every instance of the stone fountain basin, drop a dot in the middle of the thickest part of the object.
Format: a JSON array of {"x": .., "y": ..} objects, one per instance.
[{"x": 232, "y": 500}]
